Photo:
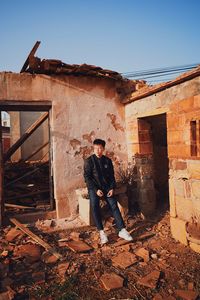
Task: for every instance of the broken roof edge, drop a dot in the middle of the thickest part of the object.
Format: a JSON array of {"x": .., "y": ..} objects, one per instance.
[
  {"x": 53, "y": 67},
  {"x": 150, "y": 90}
]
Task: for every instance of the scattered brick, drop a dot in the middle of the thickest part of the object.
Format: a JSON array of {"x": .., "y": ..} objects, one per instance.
[
  {"x": 111, "y": 281},
  {"x": 143, "y": 253},
  {"x": 124, "y": 260},
  {"x": 187, "y": 294},
  {"x": 78, "y": 246},
  {"x": 150, "y": 280}
]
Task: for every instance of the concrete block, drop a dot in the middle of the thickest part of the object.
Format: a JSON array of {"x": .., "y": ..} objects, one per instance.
[
  {"x": 194, "y": 169},
  {"x": 178, "y": 230},
  {"x": 179, "y": 188},
  {"x": 196, "y": 188},
  {"x": 195, "y": 247},
  {"x": 184, "y": 208},
  {"x": 85, "y": 212}
]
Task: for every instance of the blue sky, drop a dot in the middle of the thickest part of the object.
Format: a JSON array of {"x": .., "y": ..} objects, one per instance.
[{"x": 121, "y": 35}]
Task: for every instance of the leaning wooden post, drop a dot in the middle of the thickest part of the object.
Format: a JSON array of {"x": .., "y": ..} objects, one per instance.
[{"x": 1, "y": 176}]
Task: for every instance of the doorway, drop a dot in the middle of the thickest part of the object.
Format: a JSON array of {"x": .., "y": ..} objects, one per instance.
[
  {"x": 157, "y": 144},
  {"x": 26, "y": 183}
]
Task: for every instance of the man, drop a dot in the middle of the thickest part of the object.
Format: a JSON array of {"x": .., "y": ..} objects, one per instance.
[{"x": 100, "y": 181}]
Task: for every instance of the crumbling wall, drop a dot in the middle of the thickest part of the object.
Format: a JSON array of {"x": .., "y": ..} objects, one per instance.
[
  {"x": 184, "y": 157},
  {"x": 181, "y": 104},
  {"x": 83, "y": 108}
]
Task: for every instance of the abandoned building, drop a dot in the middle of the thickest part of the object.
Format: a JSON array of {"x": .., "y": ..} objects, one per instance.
[{"x": 152, "y": 130}]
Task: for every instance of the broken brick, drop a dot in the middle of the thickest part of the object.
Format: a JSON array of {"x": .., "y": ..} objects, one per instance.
[
  {"x": 8, "y": 295},
  {"x": 78, "y": 246},
  {"x": 38, "y": 277},
  {"x": 12, "y": 234},
  {"x": 62, "y": 268},
  {"x": 143, "y": 253},
  {"x": 75, "y": 235},
  {"x": 4, "y": 269},
  {"x": 157, "y": 297},
  {"x": 187, "y": 294},
  {"x": 48, "y": 258},
  {"x": 111, "y": 281},
  {"x": 4, "y": 253},
  {"x": 190, "y": 285},
  {"x": 150, "y": 280},
  {"x": 31, "y": 251},
  {"x": 124, "y": 260}
]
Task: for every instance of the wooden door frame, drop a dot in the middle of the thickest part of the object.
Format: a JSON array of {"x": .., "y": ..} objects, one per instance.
[{"x": 30, "y": 106}]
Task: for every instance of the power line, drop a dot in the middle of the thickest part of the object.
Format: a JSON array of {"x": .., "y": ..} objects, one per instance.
[{"x": 159, "y": 72}]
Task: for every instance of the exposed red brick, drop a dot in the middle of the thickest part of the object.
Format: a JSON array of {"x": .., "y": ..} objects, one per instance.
[
  {"x": 111, "y": 281},
  {"x": 187, "y": 294},
  {"x": 143, "y": 253},
  {"x": 150, "y": 280},
  {"x": 124, "y": 260}
]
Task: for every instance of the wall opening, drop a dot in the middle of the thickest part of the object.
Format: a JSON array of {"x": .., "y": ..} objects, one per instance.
[
  {"x": 27, "y": 185},
  {"x": 153, "y": 142}
]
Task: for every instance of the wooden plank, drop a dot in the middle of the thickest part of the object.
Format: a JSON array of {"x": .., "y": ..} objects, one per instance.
[
  {"x": 15, "y": 105},
  {"x": 18, "y": 206},
  {"x": 23, "y": 176},
  {"x": 35, "y": 152},
  {"x": 25, "y": 136},
  {"x": 31, "y": 54},
  {"x": 1, "y": 176},
  {"x": 51, "y": 184},
  {"x": 28, "y": 194},
  {"x": 36, "y": 238}
]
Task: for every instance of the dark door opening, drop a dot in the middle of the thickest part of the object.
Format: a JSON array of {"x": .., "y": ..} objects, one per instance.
[
  {"x": 26, "y": 166},
  {"x": 158, "y": 136}
]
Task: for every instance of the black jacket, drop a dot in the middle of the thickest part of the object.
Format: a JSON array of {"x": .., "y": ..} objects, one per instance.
[{"x": 93, "y": 174}]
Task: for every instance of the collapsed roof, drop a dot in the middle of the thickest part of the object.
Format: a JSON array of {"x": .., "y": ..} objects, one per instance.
[{"x": 36, "y": 65}]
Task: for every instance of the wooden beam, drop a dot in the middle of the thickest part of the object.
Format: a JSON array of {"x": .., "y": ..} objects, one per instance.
[
  {"x": 25, "y": 105},
  {"x": 35, "y": 237},
  {"x": 25, "y": 175},
  {"x": 31, "y": 54},
  {"x": 25, "y": 136},
  {"x": 28, "y": 195},
  {"x": 35, "y": 152},
  {"x": 1, "y": 177},
  {"x": 18, "y": 206},
  {"x": 51, "y": 183}
]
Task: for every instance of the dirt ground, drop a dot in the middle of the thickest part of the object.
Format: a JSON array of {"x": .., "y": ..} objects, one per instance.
[{"x": 27, "y": 271}]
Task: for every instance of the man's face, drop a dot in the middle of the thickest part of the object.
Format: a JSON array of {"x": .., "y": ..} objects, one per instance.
[{"x": 98, "y": 150}]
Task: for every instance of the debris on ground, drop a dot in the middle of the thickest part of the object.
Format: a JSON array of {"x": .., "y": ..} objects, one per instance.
[{"x": 152, "y": 266}]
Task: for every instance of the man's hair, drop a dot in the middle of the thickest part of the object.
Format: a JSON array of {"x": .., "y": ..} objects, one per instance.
[{"x": 99, "y": 142}]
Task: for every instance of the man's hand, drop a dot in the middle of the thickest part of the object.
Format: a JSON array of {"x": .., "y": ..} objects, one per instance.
[
  {"x": 99, "y": 193},
  {"x": 110, "y": 193}
]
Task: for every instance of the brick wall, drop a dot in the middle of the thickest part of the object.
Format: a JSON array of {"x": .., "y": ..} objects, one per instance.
[{"x": 183, "y": 135}]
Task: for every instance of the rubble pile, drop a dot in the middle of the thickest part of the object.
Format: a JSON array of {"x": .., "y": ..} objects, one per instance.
[
  {"x": 76, "y": 266},
  {"x": 26, "y": 186}
]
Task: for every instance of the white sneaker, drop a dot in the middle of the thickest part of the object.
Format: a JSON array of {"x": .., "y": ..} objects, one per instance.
[
  {"x": 124, "y": 234},
  {"x": 103, "y": 237}
]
